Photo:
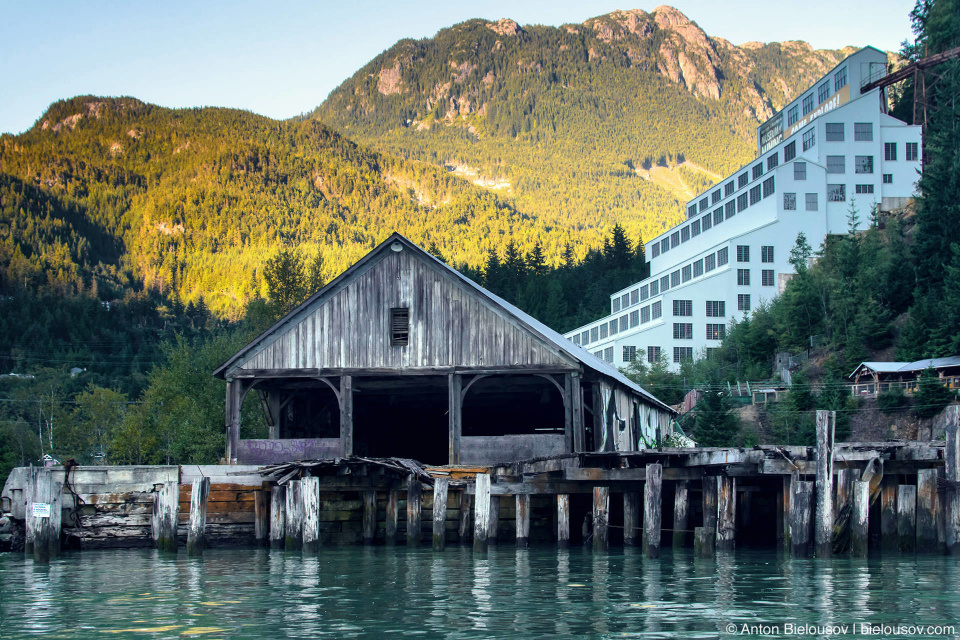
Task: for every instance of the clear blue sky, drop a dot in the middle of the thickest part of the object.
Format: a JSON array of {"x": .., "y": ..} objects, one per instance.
[{"x": 282, "y": 58}]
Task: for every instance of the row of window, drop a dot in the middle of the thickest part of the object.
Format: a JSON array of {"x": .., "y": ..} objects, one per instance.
[
  {"x": 823, "y": 94},
  {"x": 838, "y": 164},
  {"x": 911, "y": 151},
  {"x": 680, "y": 354},
  {"x": 754, "y": 173},
  {"x": 767, "y": 277},
  {"x": 684, "y": 331}
]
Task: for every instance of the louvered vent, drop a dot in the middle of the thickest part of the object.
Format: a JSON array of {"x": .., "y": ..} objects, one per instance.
[{"x": 399, "y": 327}]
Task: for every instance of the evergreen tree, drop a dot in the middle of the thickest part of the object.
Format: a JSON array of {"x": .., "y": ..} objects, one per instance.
[
  {"x": 931, "y": 395},
  {"x": 286, "y": 281},
  {"x": 715, "y": 424},
  {"x": 536, "y": 261}
]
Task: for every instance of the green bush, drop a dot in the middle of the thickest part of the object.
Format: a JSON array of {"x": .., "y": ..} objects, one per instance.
[{"x": 892, "y": 400}]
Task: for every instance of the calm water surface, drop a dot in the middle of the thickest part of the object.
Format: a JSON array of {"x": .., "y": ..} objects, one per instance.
[{"x": 351, "y": 592}]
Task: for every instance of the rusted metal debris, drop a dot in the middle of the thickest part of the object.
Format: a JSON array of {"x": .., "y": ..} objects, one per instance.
[{"x": 354, "y": 465}]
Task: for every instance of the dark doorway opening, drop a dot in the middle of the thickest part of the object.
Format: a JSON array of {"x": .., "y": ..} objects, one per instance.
[
  {"x": 512, "y": 405},
  {"x": 310, "y": 410},
  {"x": 401, "y": 417}
]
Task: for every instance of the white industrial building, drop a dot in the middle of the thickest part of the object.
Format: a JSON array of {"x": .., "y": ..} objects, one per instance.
[{"x": 831, "y": 147}]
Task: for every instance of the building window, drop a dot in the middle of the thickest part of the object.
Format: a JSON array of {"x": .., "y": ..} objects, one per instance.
[
  {"x": 653, "y": 354},
  {"x": 809, "y": 139},
  {"x": 790, "y": 151},
  {"x": 743, "y": 277},
  {"x": 766, "y": 277},
  {"x": 754, "y": 195},
  {"x": 833, "y": 132},
  {"x": 599, "y": 354},
  {"x": 665, "y": 245},
  {"x": 624, "y": 319},
  {"x": 722, "y": 257},
  {"x": 716, "y": 331},
  {"x": 675, "y": 278},
  {"x": 683, "y": 331},
  {"x": 655, "y": 250},
  {"x": 615, "y": 305},
  {"x": 644, "y": 292},
  {"x": 717, "y": 216},
  {"x": 757, "y": 170},
  {"x": 608, "y": 354},
  {"x": 864, "y": 188},
  {"x": 840, "y": 79},
  {"x": 715, "y": 197},
  {"x": 594, "y": 336},
  {"x": 682, "y": 354},
  {"x": 644, "y": 315},
  {"x": 811, "y": 202},
  {"x": 634, "y": 318},
  {"x": 789, "y": 202},
  {"x": 890, "y": 151},
  {"x": 576, "y": 339},
  {"x": 728, "y": 189},
  {"x": 888, "y": 178},
  {"x": 823, "y": 92},
  {"x": 912, "y": 153},
  {"x": 807, "y": 103},
  {"x": 709, "y": 263},
  {"x": 683, "y": 307},
  {"x": 585, "y": 337},
  {"x": 773, "y": 161},
  {"x": 706, "y": 222},
  {"x": 629, "y": 353},
  {"x": 836, "y": 193},
  {"x": 655, "y": 288},
  {"x": 863, "y": 164},
  {"x": 836, "y": 164},
  {"x": 635, "y": 296},
  {"x": 743, "y": 253},
  {"x": 603, "y": 331},
  {"x": 665, "y": 283},
  {"x": 625, "y": 300},
  {"x": 712, "y": 352},
  {"x": 698, "y": 268},
  {"x": 656, "y": 309},
  {"x": 686, "y": 273},
  {"x": 716, "y": 308},
  {"x": 743, "y": 302},
  {"x": 863, "y": 131},
  {"x": 691, "y": 211},
  {"x": 768, "y": 187},
  {"x": 674, "y": 239},
  {"x": 742, "y": 202},
  {"x": 704, "y": 203},
  {"x": 799, "y": 170},
  {"x": 694, "y": 228},
  {"x": 742, "y": 180},
  {"x": 793, "y": 114},
  {"x": 730, "y": 209},
  {"x": 685, "y": 234},
  {"x": 399, "y": 326},
  {"x": 766, "y": 253}
]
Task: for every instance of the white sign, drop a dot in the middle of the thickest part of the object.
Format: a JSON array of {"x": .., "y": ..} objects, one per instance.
[{"x": 41, "y": 509}]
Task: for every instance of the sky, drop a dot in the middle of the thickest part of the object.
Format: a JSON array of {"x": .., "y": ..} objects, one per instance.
[{"x": 284, "y": 57}]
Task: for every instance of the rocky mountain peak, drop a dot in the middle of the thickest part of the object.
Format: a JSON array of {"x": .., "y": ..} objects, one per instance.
[{"x": 505, "y": 27}]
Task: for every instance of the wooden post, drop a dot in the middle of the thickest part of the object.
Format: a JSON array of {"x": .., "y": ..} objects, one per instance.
[
  {"x": 888, "y": 513},
  {"x": 652, "y": 510},
  {"x": 801, "y": 520},
  {"x": 493, "y": 527},
  {"x": 196, "y": 531},
  {"x": 455, "y": 415},
  {"x": 789, "y": 486},
  {"x": 704, "y": 540},
  {"x": 631, "y": 519},
  {"x": 907, "y": 518},
  {"x": 369, "y": 516},
  {"x": 393, "y": 515},
  {"x": 41, "y": 512},
  {"x": 261, "y": 517},
  {"x": 824, "y": 493},
  {"x": 568, "y": 412},
  {"x": 30, "y": 522},
  {"x": 951, "y": 496},
  {"x": 710, "y": 502},
  {"x": 576, "y": 395},
  {"x": 860, "y": 519},
  {"x": 233, "y": 404},
  {"x": 278, "y": 518},
  {"x": 523, "y": 520},
  {"x": 414, "y": 509},
  {"x": 601, "y": 518},
  {"x": 56, "y": 517},
  {"x": 680, "y": 518},
  {"x": 563, "y": 520},
  {"x": 166, "y": 508},
  {"x": 310, "y": 495},
  {"x": 346, "y": 416},
  {"x": 481, "y": 517},
  {"x": 464, "y": 528},
  {"x": 440, "y": 489},
  {"x": 843, "y": 508},
  {"x": 293, "y": 540},
  {"x": 929, "y": 511},
  {"x": 727, "y": 514}
]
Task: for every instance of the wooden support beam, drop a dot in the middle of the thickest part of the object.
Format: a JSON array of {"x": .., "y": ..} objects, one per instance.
[
  {"x": 414, "y": 510},
  {"x": 907, "y": 518},
  {"x": 823, "y": 525},
  {"x": 951, "y": 505},
  {"x": 704, "y": 541},
  {"x": 278, "y": 516},
  {"x": 929, "y": 512},
  {"x": 455, "y": 416},
  {"x": 441, "y": 488},
  {"x": 843, "y": 507},
  {"x": 523, "y": 521},
  {"x": 392, "y": 517},
  {"x": 710, "y": 502},
  {"x": 601, "y": 518},
  {"x": 234, "y": 402},
  {"x": 40, "y": 511},
  {"x": 166, "y": 509},
  {"x": 30, "y": 521},
  {"x": 680, "y": 517},
  {"x": 293, "y": 539},
  {"x": 196, "y": 530},
  {"x": 726, "y": 513},
  {"x": 652, "y": 510},
  {"x": 481, "y": 516},
  {"x": 369, "y": 516},
  {"x": 568, "y": 412},
  {"x": 346, "y": 415},
  {"x": 464, "y": 528},
  {"x": 493, "y": 528},
  {"x": 576, "y": 395},
  {"x": 801, "y": 519},
  {"x": 563, "y": 520},
  {"x": 888, "y": 513},
  {"x": 860, "y": 519},
  {"x": 631, "y": 519},
  {"x": 261, "y": 517},
  {"x": 310, "y": 495}
]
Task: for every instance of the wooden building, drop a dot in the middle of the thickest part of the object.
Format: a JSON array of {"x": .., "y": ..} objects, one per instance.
[
  {"x": 402, "y": 356},
  {"x": 871, "y": 378}
]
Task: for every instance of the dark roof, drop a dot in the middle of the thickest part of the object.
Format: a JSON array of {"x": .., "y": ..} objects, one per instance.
[
  {"x": 908, "y": 367},
  {"x": 545, "y": 333}
]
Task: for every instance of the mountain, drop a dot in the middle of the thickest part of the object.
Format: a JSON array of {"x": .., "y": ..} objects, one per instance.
[{"x": 618, "y": 119}]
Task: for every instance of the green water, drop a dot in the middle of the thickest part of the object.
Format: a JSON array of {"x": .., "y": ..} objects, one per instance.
[{"x": 349, "y": 592}]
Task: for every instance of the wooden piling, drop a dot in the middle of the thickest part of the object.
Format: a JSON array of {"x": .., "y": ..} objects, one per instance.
[
  {"x": 680, "y": 518},
  {"x": 414, "y": 508},
  {"x": 441, "y": 488},
  {"x": 481, "y": 516},
  {"x": 40, "y": 511},
  {"x": 951, "y": 497},
  {"x": 166, "y": 509},
  {"x": 929, "y": 511},
  {"x": 196, "y": 530},
  {"x": 369, "y": 517},
  {"x": 907, "y": 518},
  {"x": 261, "y": 517},
  {"x": 278, "y": 517},
  {"x": 860, "y": 519},
  {"x": 888, "y": 513},
  {"x": 823, "y": 522},
  {"x": 464, "y": 528},
  {"x": 704, "y": 541},
  {"x": 310, "y": 496},
  {"x": 843, "y": 509},
  {"x": 30, "y": 522},
  {"x": 56, "y": 518},
  {"x": 631, "y": 519},
  {"x": 652, "y": 510},
  {"x": 493, "y": 527},
  {"x": 293, "y": 539},
  {"x": 601, "y": 518},
  {"x": 801, "y": 519},
  {"x": 523, "y": 520},
  {"x": 392, "y": 516},
  {"x": 710, "y": 502},
  {"x": 563, "y": 520},
  {"x": 726, "y": 514}
]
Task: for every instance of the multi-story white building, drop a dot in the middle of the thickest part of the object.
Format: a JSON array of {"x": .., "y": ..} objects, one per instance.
[{"x": 831, "y": 148}]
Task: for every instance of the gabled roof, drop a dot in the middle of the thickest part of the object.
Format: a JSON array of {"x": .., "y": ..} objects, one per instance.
[
  {"x": 531, "y": 324},
  {"x": 908, "y": 367}
]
